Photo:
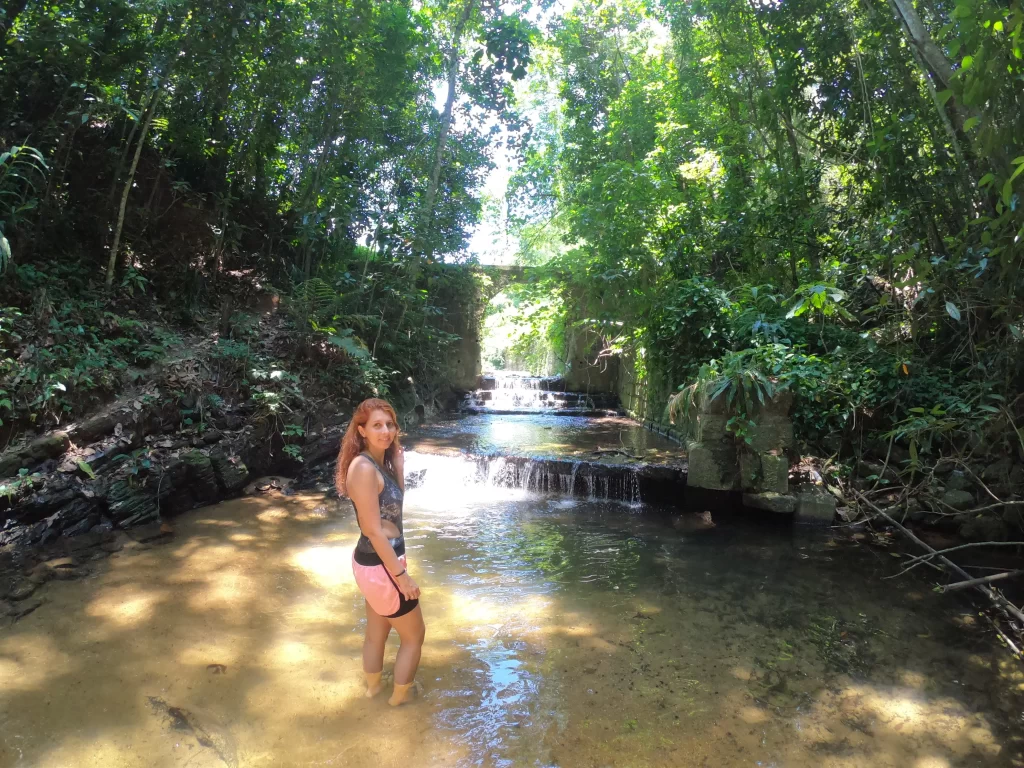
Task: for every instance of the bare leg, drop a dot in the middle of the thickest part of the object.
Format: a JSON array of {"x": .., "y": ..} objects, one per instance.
[
  {"x": 411, "y": 630},
  {"x": 377, "y": 630}
]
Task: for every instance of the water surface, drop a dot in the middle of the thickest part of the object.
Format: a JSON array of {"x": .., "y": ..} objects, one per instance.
[
  {"x": 610, "y": 439},
  {"x": 560, "y": 633}
]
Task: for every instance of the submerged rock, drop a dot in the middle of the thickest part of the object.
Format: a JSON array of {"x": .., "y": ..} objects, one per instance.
[
  {"x": 770, "y": 502},
  {"x": 152, "y": 532},
  {"x": 692, "y": 522},
  {"x": 22, "y": 590},
  {"x": 20, "y": 609},
  {"x": 815, "y": 506},
  {"x": 268, "y": 484}
]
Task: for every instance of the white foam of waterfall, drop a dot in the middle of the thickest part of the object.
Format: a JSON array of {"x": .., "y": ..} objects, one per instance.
[
  {"x": 456, "y": 482},
  {"x": 516, "y": 391}
]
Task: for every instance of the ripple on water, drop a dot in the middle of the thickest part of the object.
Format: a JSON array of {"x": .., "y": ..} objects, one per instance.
[{"x": 560, "y": 633}]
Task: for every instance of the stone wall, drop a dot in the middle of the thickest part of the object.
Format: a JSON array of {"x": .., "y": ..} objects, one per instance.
[
  {"x": 464, "y": 359},
  {"x": 463, "y": 316},
  {"x": 645, "y": 398},
  {"x": 641, "y": 397},
  {"x": 587, "y": 372}
]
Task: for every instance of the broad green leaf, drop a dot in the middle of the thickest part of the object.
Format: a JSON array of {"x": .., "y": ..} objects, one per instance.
[
  {"x": 351, "y": 345},
  {"x": 952, "y": 310},
  {"x": 970, "y": 122},
  {"x": 987, "y": 179},
  {"x": 84, "y": 466}
]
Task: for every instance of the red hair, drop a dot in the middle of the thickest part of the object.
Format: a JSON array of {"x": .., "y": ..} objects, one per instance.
[{"x": 352, "y": 444}]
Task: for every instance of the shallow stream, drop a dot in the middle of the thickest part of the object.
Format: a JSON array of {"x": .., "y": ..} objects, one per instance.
[{"x": 560, "y": 632}]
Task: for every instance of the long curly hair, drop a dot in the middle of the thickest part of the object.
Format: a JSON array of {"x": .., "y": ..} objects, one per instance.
[{"x": 352, "y": 444}]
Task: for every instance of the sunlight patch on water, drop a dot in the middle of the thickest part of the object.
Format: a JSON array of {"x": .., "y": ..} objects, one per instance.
[
  {"x": 28, "y": 662},
  {"x": 558, "y": 634},
  {"x": 273, "y": 515},
  {"x": 126, "y": 606},
  {"x": 328, "y": 566}
]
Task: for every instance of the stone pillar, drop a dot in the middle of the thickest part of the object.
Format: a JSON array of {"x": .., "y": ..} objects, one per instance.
[{"x": 758, "y": 466}]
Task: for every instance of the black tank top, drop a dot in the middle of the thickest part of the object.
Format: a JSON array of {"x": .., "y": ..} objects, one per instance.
[{"x": 390, "y": 502}]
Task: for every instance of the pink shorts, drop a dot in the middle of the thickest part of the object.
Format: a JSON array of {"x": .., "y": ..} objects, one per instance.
[{"x": 381, "y": 591}]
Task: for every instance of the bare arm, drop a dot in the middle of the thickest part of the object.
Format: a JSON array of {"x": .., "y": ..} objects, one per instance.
[{"x": 399, "y": 467}]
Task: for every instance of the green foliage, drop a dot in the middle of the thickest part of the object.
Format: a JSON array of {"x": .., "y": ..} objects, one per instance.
[
  {"x": 755, "y": 197},
  {"x": 524, "y": 330},
  {"x": 690, "y": 323},
  {"x": 22, "y": 170},
  {"x": 135, "y": 465},
  {"x": 14, "y": 487},
  {"x": 740, "y": 379},
  {"x": 67, "y": 351}
]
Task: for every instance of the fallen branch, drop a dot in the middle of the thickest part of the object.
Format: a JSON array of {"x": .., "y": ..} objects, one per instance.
[
  {"x": 976, "y": 510},
  {"x": 981, "y": 580},
  {"x": 995, "y": 597},
  {"x": 934, "y": 552}
]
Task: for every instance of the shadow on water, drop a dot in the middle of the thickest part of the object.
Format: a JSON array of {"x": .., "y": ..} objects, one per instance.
[{"x": 560, "y": 633}]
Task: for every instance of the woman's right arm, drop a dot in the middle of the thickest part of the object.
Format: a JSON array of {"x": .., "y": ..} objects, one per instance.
[{"x": 361, "y": 486}]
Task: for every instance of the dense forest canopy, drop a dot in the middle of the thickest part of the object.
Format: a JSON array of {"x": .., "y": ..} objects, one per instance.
[
  {"x": 816, "y": 194},
  {"x": 194, "y": 151}
]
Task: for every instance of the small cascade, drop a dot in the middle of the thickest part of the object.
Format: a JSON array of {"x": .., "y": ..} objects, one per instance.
[
  {"x": 511, "y": 392},
  {"x": 441, "y": 476}
]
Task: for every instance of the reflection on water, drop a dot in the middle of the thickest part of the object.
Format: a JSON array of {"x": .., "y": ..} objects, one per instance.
[
  {"x": 560, "y": 633},
  {"x": 552, "y": 436}
]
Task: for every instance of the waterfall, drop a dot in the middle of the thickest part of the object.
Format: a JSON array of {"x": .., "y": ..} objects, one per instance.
[
  {"x": 480, "y": 477},
  {"x": 517, "y": 392}
]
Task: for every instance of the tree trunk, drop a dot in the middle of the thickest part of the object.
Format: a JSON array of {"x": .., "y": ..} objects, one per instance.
[
  {"x": 919, "y": 37},
  {"x": 423, "y": 235},
  {"x": 147, "y": 121},
  {"x": 121, "y": 163}
]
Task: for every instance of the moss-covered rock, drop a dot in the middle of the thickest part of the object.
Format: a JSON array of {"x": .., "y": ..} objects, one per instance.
[
  {"x": 202, "y": 480},
  {"x": 231, "y": 475},
  {"x": 130, "y": 504}
]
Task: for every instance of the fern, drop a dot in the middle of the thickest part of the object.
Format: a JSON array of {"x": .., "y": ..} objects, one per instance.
[{"x": 739, "y": 377}]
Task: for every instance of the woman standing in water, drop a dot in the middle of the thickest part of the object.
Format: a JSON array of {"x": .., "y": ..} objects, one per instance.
[{"x": 371, "y": 472}]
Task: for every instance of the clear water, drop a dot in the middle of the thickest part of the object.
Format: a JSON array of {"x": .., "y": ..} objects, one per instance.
[
  {"x": 608, "y": 439},
  {"x": 560, "y": 632}
]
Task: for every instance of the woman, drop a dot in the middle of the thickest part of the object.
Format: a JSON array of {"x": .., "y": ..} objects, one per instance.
[{"x": 371, "y": 472}]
